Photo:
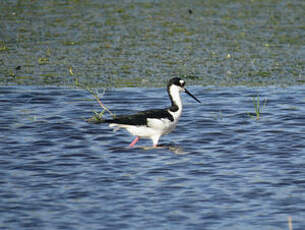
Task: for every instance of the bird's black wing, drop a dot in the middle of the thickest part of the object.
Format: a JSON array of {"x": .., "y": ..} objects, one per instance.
[{"x": 140, "y": 118}]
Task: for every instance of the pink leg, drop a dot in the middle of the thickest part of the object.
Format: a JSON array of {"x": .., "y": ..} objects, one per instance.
[{"x": 133, "y": 142}]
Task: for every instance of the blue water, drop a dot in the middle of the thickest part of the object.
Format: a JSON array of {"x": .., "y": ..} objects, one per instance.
[{"x": 220, "y": 169}]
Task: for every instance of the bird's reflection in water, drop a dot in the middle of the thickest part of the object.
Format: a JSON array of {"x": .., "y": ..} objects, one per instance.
[
  {"x": 176, "y": 149},
  {"x": 171, "y": 147}
]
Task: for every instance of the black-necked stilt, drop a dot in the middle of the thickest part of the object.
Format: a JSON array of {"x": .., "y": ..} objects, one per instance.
[{"x": 152, "y": 124}]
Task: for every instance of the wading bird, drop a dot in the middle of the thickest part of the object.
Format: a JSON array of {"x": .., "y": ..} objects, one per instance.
[{"x": 152, "y": 124}]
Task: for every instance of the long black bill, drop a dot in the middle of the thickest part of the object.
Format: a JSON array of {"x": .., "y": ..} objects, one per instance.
[{"x": 185, "y": 90}]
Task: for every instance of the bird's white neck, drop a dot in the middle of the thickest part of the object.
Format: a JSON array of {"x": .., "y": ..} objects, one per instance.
[{"x": 174, "y": 94}]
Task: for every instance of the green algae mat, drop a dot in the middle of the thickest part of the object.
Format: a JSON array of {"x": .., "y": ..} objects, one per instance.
[{"x": 144, "y": 43}]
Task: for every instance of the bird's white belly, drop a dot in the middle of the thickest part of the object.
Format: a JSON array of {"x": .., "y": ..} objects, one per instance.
[
  {"x": 155, "y": 127},
  {"x": 164, "y": 126}
]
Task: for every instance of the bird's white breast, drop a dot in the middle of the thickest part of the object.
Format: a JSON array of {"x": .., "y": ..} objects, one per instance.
[{"x": 164, "y": 126}]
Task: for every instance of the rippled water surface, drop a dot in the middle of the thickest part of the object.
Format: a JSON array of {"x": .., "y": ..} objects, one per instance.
[{"x": 220, "y": 168}]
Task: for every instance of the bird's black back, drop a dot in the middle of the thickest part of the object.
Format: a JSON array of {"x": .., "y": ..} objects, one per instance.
[{"x": 140, "y": 118}]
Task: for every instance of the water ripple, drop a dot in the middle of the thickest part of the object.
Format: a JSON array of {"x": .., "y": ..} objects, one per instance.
[{"x": 219, "y": 168}]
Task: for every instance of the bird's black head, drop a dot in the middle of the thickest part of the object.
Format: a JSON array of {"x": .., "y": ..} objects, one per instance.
[
  {"x": 176, "y": 81},
  {"x": 176, "y": 84}
]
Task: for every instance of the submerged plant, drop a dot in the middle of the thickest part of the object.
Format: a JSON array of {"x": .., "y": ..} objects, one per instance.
[
  {"x": 3, "y": 47},
  {"x": 43, "y": 60},
  {"x": 98, "y": 117},
  {"x": 71, "y": 71},
  {"x": 257, "y": 107}
]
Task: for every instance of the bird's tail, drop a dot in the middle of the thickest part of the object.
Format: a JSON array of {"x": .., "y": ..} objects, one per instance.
[{"x": 97, "y": 120}]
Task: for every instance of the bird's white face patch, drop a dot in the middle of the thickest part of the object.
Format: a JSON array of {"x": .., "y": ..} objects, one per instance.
[{"x": 182, "y": 82}]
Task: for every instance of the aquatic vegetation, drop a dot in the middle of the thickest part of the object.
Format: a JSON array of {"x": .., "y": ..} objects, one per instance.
[
  {"x": 43, "y": 60},
  {"x": 69, "y": 43},
  {"x": 71, "y": 71},
  {"x": 98, "y": 116},
  {"x": 3, "y": 46},
  {"x": 257, "y": 107},
  {"x": 122, "y": 42}
]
